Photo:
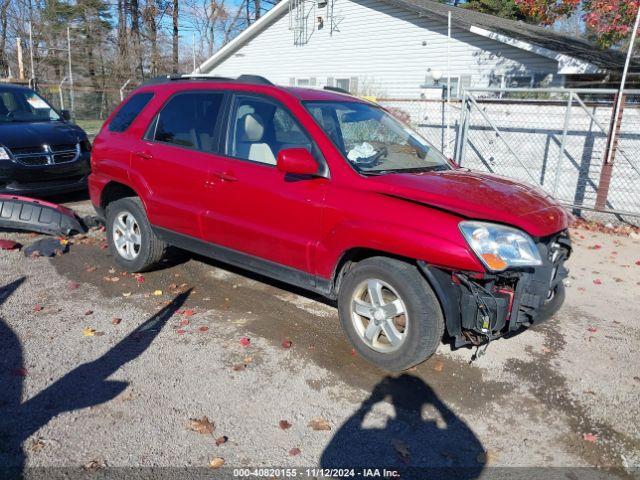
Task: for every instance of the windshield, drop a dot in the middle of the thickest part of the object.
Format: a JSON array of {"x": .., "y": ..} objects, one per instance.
[
  {"x": 373, "y": 141},
  {"x": 24, "y": 106}
]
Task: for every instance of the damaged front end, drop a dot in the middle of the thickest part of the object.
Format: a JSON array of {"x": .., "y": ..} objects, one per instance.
[{"x": 481, "y": 307}]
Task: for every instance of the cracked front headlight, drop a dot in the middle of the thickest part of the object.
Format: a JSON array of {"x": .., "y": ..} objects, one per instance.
[{"x": 500, "y": 247}]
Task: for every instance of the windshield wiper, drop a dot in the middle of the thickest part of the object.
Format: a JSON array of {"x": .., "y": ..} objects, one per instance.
[{"x": 431, "y": 168}]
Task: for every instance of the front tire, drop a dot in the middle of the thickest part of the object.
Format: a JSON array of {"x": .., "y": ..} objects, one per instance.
[
  {"x": 390, "y": 313},
  {"x": 132, "y": 242}
]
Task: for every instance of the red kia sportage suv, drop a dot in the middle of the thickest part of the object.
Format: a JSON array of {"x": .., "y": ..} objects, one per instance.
[{"x": 331, "y": 193}]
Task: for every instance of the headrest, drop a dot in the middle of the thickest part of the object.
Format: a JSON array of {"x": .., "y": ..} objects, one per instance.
[{"x": 251, "y": 128}]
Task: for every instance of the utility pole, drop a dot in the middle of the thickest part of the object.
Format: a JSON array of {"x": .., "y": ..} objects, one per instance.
[
  {"x": 20, "y": 62},
  {"x": 70, "y": 71},
  {"x": 193, "y": 49},
  {"x": 616, "y": 121},
  {"x": 33, "y": 71}
]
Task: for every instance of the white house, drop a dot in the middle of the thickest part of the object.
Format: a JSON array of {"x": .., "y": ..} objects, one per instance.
[{"x": 402, "y": 49}]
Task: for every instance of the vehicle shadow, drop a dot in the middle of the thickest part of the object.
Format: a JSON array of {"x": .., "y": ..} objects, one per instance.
[
  {"x": 85, "y": 386},
  {"x": 424, "y": 439}
]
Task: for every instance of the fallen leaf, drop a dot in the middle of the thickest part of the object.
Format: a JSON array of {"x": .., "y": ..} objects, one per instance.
[
  {"x": 203, "y": 329},
  {"x": 202, "y": 425},
  {"x": 245, "y": 341},
  {"x": 139, "y": 279},
  {"x": 74, "y": 285},
  {"x": 595, "y": 247},
  {"x": 402, "y": 449},
  {"x": 89, "y": 312},
  {"x": 181, "y": 331},
  {"x": 294, "y": 451},
  {"x": 189, "y": 312},
  {"x": 287, "y": 344},
  {"x": 36, "y": 445},
  {"x": 88, "y": 332},
  {"x": 37, "y": 308},
  {"x": 94, "y": 465},
  {"x": 221, "y": 440},
  {"x": 91, "y": 269},
  {"x": 99, "y": 334},
  {"x": 592, "y": 329},
  {"x": 184, "y": 322},
  {"x": 216, "y": 462},
  {"x": 238, "y": 367},
  {"x": 438, "y": 365},
  {"x": 283, "y": 424},
  {"x": 486, "y": 457},
  {"x": 248, "y": 359},
  {"x": 637, "y": 262},
  {"x": 9, "y": 245},
  {"x": 126, "y": 294},
  {"x": 116, "y": 321},
  {"x": 597, "y": 281},
  {"x": 157, "y": 293},
  {"x": 319, "y": 424},
  {"x": 353, "y": 352},
  {"x": 590, "y": 437}
]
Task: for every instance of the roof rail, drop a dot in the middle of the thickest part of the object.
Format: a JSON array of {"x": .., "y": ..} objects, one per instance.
[
  {"x": 337, "y": 89},
  {"x": 254, "y": 79}
]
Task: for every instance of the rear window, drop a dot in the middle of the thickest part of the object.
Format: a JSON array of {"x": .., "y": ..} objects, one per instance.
[{"x": 129, "y": 111}]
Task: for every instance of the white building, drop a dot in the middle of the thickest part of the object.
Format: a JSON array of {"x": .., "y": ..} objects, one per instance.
[{"x": 401, "y": 49}]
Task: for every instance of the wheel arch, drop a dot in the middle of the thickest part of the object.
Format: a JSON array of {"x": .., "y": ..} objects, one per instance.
[{"x": 450, "y": 310}]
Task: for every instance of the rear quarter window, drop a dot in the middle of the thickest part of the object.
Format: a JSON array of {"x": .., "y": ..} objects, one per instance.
[{"x": 129, "y": 111}]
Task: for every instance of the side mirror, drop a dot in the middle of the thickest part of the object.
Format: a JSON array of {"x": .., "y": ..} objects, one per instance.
[
  {"x": 65, "y": 114},
  {"x": 298, "y": 161}
]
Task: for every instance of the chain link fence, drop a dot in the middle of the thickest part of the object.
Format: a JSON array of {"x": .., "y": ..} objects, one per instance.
[
  {"x": 89, "y": 106},
  {"x": 553, "y": 138}
]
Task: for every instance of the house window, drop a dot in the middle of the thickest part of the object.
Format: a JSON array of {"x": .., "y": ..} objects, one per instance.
[
  {"x": 343, "y": 83},
  {"x": 306, "y": 82}
]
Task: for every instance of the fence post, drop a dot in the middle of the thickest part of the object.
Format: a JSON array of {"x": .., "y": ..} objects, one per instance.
[
  {"x": 563, "y": 142},
  {"x": 609, "y": 155},
  {"x": 462, "y": 128}
]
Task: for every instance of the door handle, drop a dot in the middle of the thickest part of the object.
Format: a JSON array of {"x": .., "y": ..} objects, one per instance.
[
  {"x": 225, "y": 176},
  {"x": 145, "y": 155}
]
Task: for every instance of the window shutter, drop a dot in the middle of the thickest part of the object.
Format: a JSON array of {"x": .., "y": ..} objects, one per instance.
[
  {"x": 353, "y": 85},
  {"x": 465, "y": 82},
  {"x": 329, "y": 81},
  {"x": 292, "y": 81},
  {"x": 312, "y": 82}
]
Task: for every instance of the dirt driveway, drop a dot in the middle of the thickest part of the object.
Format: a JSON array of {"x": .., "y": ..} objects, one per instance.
[{"x": 103, "y": 369}]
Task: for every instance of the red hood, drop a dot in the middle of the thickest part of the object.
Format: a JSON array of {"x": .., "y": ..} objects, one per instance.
[{"x": 480, "y": 196}]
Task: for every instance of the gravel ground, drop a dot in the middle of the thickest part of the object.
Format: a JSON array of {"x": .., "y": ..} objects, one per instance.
[{"x": 80, "y": 389}]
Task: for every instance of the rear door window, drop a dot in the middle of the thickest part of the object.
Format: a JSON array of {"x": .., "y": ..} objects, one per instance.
[
  {"x": 129, "y": 111},
  {"x": 189, "y": 120}
]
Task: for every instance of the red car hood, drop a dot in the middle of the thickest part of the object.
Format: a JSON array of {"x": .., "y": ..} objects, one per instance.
[{"x": 480, "y": 196}]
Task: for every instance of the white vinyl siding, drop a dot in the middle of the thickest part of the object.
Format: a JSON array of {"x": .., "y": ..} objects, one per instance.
[{"x": 385, "y": 50}]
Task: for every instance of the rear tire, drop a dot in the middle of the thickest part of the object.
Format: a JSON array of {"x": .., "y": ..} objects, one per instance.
[
  {"x": 132, "y": 242},
  {"x": 397, "y": 326}
]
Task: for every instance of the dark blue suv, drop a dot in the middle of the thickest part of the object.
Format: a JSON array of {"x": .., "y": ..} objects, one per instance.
[{"x": 41, "y": 152}]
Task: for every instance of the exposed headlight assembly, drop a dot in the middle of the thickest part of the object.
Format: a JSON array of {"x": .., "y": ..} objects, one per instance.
[
  {"x": 500, "y": 247},
  {"x": 4, "y": 155}
]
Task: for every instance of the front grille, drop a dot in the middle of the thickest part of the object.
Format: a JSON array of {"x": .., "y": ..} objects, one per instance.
[{"x": 46, "y": 154}]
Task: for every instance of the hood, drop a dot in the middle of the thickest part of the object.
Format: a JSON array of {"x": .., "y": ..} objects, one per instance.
[
  {"x": 22, "y": 134},
  {"x": 480, "y": 196}
]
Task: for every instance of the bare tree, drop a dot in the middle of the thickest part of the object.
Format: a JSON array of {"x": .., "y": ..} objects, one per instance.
[{"x": 174, "y": 37}]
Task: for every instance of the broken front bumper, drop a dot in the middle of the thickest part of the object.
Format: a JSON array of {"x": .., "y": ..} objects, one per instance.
[{"x": 481, "y": 307}]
